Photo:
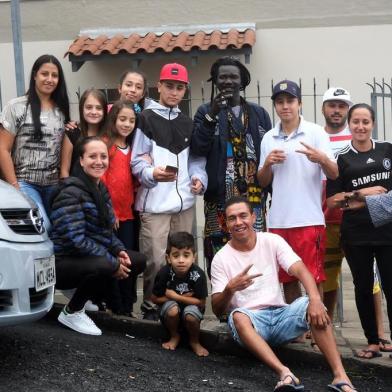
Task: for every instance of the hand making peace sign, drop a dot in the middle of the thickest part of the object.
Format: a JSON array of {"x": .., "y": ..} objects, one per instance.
[
  {"x": 313, "y": 154},
  {"x": 242, "y": 280}
]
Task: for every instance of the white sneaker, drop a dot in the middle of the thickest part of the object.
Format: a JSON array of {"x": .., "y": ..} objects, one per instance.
[
  {"x": 90, "y": 307},
  {"x": 79, "y": 322}
]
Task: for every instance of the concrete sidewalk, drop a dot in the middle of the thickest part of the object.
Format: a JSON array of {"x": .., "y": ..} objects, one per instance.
[{"x": 215, "y": 335}]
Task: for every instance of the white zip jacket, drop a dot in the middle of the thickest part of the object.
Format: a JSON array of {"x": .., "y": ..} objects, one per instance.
[{"x": 165, "y": 134}]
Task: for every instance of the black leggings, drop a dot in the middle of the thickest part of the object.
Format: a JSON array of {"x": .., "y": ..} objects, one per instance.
[
  {"x": 122, "y": 294},
  {"x": 90, "y": 276},
  {"x": 360, "y": 260}
]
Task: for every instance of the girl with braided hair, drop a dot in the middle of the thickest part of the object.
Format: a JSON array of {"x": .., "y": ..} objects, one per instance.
[{"x": 228, "y": 131}]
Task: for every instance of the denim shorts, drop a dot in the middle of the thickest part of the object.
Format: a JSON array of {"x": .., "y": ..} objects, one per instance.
[
  {"x": 184, "y": 310},
  {"x": 276, "y": 325}
]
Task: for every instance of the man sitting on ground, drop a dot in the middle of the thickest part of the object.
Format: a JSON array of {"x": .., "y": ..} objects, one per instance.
[{"x": 244, "y": 277}]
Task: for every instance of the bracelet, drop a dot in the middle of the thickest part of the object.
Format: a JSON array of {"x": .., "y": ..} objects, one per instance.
[{"x": 209, "y": 118}]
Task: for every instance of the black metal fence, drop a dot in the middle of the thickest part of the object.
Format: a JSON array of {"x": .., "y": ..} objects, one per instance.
[
  {"x": 312, "y": 91},
  {"x": 381, "y": 102}
]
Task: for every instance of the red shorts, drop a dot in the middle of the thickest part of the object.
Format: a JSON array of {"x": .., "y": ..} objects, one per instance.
[{"x": 309, "y": 244}]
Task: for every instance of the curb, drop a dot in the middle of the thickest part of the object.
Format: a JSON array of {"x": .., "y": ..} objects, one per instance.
[{"x": 219, "y": 340}]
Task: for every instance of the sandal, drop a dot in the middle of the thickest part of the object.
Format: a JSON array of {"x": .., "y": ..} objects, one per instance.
[
  {"x": 383, "y": 346},
  {"x": 373, "y": 354},
  {"x": 293, "y": 386},
  {"x": 339, "y": 386}
]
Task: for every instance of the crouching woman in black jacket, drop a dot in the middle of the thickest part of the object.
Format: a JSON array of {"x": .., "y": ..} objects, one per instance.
[{"x": 86, "y": 248}]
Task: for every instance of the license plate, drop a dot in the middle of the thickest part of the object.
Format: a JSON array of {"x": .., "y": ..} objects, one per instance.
[{"x": 44, "y": 272}]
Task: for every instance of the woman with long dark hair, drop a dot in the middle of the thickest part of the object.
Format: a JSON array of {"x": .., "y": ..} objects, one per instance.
[
  {"x": 31, "y": 132},
  {"x": 364, "y": 167},
  {"x": 88, "y": 253}
]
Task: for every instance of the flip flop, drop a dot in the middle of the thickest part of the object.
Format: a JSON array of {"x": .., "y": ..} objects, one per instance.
[
  {"x": 293, "y": 386},
  {"x": 373, "y": 354},
  {"x": 383, "y": 343},
  {"x": 338, "y": 387}
]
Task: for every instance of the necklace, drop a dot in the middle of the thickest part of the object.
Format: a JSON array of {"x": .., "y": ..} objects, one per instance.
[{"x": 238, "y": 127}]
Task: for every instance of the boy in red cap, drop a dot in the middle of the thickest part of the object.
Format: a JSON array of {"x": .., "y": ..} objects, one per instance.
[{"x": 170, "y": 179}]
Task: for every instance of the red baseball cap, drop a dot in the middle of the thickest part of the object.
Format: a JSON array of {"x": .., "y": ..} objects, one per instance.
[{"x": 174, "y": 71}]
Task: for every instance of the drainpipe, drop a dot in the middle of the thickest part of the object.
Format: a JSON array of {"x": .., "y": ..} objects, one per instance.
[{"x": 18, "y": 50}]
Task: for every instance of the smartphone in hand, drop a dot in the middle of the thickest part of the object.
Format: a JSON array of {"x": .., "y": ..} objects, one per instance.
[{"x": 171, "y": 169}]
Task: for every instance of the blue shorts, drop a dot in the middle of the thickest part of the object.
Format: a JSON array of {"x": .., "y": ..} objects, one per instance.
[
  {"x": 193, "y": 310},
  {"x": 276, "y": 325}
]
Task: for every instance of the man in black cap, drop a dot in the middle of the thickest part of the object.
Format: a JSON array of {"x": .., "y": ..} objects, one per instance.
[{"x": 294, "y": 157}]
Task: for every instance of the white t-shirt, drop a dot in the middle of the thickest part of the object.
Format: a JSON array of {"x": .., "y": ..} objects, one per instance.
[
  {"x": 269, "y": 252},
  {"x": 296, "y": 183},
  {"x": 339, "y": 140}
]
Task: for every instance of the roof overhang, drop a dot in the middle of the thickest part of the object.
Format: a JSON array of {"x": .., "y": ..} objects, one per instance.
[{"x": 164, "y": 41}]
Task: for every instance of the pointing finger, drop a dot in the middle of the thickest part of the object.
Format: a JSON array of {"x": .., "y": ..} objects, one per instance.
[
  {"x": 254, "y": 276},
  {"x": 307, "y": 146},
  {"x": 303, "y": 152},
  {"x": 245, "y": 271}
]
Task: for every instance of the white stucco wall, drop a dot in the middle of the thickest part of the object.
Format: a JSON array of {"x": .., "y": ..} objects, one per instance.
[
  {"x": 63, "y": 19},
  {"x": 349, "y": 56}
]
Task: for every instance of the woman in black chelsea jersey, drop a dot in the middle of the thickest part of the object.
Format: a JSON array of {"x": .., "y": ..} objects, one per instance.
[{"x": 364, "y": 166}]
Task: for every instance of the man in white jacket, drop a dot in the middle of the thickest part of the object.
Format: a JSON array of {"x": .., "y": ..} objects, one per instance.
[{"x": 169, "y": 179}]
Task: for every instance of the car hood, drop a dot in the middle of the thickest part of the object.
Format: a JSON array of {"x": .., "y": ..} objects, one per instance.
[{"x": 10, "y": 197}]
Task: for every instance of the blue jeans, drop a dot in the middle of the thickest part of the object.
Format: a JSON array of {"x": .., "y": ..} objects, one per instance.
[
  {"x": 41, "y": 195},
  {"x": 276, "y": 325},
  {"x": 193, "y": 310}
]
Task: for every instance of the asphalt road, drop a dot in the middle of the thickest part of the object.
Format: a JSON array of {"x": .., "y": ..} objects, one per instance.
[{"x": 45, "y": 356}]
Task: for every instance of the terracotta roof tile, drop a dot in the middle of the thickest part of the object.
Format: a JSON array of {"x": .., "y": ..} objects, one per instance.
[
  {"x": 151, "y": 42},
  {"x": 126, "y": 45}
]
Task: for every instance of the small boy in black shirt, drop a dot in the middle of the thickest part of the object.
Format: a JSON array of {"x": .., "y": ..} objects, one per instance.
[{"x": 180, "y": 289}]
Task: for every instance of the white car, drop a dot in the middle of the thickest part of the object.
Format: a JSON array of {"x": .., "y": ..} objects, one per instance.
[{"x": 27, "y": 264}]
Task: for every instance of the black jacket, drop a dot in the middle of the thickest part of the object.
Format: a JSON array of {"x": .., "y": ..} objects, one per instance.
[
  {"x": 210, "y": 140},
  {"x": 76, "y": 228}
]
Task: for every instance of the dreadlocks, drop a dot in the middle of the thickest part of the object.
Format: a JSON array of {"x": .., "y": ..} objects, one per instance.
[{"x": 228, "y": 60}]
